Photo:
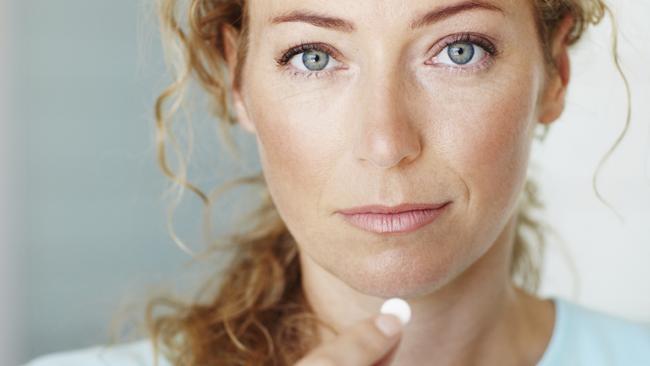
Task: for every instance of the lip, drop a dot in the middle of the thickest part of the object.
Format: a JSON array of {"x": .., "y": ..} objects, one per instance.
[{"x": 402, "y": 218}]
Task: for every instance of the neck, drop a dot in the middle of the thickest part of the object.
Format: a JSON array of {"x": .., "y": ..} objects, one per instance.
[{"x": 478, "y": 318}]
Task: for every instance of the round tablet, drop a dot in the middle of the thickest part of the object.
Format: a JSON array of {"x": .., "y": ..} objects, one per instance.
[{"x": 397, "y": 307}]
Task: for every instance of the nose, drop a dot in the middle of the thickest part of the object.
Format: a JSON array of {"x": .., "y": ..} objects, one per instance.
[{"x": 386, "y": 136}]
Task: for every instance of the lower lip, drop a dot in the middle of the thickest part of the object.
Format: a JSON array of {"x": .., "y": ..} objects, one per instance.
[{"x": 402, "y": 222}]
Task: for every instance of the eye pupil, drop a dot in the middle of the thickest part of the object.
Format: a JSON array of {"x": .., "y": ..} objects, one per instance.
[
  {"x": 315, "y": 60},
  {"x": 461, "y": 53}
]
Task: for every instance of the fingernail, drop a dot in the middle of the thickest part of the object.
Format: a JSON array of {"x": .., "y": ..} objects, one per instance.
[{"x": 388, "y": 324}]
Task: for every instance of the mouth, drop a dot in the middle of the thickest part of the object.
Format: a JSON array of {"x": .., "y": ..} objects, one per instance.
[{"x": 403, "y": 218}]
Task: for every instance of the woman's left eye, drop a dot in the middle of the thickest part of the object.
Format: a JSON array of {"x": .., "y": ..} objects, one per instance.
[{"x": 461, "y": 54}]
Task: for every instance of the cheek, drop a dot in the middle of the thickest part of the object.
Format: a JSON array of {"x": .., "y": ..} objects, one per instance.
[
  {"x": 484, "y": 133},
  {"x": 298, "y": 150}
]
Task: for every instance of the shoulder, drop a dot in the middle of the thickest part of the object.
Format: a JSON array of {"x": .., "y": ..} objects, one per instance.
[
  {"x": 137, "y": 353},
  {"x": 585, "y": 336}
]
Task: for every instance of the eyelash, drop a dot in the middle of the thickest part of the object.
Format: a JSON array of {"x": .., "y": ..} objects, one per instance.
[
  {"x": 303, "y": 47},
  {"x": 480, "y": 41}
]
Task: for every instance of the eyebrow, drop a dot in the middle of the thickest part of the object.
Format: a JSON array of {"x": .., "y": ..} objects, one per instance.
[{"x": 343, "y": 25}]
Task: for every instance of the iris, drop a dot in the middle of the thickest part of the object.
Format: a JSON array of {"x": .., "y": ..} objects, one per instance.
[
  {"x": 461, "y": 52},
  {"x": 315, "y": 60}
]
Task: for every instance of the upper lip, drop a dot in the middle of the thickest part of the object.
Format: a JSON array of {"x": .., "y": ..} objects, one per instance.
[{"x": 404, "y": 207}]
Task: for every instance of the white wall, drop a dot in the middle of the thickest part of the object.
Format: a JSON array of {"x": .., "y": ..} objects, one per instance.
[{"x": 611, "y": 258}]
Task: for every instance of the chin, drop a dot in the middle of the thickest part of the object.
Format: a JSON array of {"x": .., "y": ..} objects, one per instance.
[{"x": 402, "y": 276}]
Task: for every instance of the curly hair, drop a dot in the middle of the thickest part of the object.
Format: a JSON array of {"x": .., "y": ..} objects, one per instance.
[{"x": 258, "y": 314}]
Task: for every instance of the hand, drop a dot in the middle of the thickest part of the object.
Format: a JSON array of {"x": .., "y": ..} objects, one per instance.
[{"x": 371, "y": 342}]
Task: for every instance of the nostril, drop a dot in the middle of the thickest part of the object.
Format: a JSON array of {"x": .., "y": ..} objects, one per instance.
[{"x": 386, "y": 152}]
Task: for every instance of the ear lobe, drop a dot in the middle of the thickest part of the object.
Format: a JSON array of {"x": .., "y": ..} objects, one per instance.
[
  {"x": 558, "y": 79},
  {"x": 230, "y": 46},
  {"x": 242, "y": 114}
]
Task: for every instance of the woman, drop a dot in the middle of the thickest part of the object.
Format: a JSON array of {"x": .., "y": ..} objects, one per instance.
[{"x": 394, "y": 139}]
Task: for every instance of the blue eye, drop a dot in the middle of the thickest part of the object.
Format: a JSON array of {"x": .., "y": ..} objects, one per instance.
[
  {"x": 315, "y": 60},
  {"x": 460, "y": 53},
  {"x": 310, "y": 58},
  {"x": 465, "y": 50}
]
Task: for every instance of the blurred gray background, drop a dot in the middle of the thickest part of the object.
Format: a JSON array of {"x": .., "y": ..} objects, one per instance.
[
  {"x": 87, "y": 199},
  {"x": 82, "y": 205},
  {"x": 88, "y": 186}
]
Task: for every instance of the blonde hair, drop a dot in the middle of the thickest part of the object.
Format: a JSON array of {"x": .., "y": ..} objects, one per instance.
[{"x": 258, "y": 315}]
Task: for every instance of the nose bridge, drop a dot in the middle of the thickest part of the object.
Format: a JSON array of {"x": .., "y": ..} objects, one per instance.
[{"x": 387, "y": 134}]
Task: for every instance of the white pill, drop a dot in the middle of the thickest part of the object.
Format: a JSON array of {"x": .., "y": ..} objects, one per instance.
[{"x": 397, "y": 307}]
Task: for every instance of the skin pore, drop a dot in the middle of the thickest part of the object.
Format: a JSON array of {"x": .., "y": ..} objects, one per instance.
[{"x": 390, "y": 120}]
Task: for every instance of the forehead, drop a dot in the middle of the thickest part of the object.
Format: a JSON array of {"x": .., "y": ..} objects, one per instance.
[{"x": 381, "y": 12}]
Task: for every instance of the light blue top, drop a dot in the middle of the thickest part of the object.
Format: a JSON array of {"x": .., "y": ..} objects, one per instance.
[{"x": 581, "y": 337}]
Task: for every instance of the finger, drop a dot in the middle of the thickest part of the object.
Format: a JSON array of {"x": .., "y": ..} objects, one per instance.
[
  {"x": 388, "y": 358},
  {"x": 363, "y": 344}
]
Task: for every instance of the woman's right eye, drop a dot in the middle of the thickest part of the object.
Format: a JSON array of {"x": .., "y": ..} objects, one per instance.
[
  {"x": 313, "y": 60},
  {"x": 310, "y": 59}
]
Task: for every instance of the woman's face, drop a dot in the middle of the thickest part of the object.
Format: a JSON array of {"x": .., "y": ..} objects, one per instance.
[{"x": 385, "y": 112}]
